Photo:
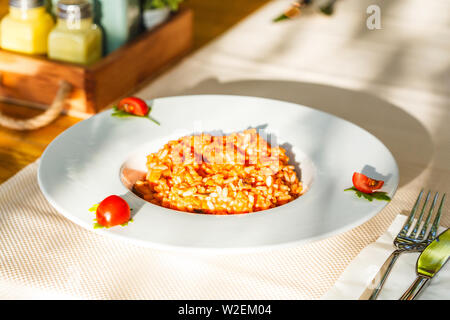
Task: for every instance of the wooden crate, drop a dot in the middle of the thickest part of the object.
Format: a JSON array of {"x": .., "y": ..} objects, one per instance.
[{"x": 36, "y": 79}]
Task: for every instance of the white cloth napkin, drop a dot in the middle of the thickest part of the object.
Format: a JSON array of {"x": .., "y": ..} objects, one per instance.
[{"x": 362, "y": 270}]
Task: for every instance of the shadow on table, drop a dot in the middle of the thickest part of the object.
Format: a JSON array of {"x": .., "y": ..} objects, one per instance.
[{"x": 404, "y": 135}]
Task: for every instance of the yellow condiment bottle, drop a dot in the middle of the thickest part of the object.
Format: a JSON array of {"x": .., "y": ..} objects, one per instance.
[
  {"x": 75, "y": 38},
  {"x": 25, "y": 29}
]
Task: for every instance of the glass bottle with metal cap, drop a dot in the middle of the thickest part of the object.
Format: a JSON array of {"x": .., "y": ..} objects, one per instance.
[
  {"x": 76, "y": 38},
  {"x": 25, "y": 29}
]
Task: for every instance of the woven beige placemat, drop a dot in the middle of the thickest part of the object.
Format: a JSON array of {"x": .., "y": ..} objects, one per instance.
[
  {"x": 392, "y": 82},
  {"x": 44, "y": 255}
]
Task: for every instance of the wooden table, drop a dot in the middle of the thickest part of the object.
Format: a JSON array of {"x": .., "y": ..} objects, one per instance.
[{"x": 18, "y": 149}]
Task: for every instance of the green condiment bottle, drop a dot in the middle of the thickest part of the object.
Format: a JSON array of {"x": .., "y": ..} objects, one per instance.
[{"x": 120, "y": 20}]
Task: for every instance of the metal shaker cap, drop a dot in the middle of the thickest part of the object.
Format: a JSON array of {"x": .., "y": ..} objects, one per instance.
[
  {"x": 78, "y": 9},
  {"x": 26, "y": 4}
]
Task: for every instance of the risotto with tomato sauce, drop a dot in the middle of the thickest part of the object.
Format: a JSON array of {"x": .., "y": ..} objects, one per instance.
[{"x": 237, "y": 173}]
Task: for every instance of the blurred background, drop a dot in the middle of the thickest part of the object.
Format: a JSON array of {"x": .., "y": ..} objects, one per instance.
[{"x": 18, "y": 148}]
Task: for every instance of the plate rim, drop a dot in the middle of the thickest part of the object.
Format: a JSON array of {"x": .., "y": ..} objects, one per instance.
[{"x": 220, "y": 250}]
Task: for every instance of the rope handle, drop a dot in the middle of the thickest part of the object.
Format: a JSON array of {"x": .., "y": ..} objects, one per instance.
[{"x": 44, "y": 118}]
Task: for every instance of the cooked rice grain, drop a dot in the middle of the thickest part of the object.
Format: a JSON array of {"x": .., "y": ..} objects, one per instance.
[{"x": 238, "y": 173}]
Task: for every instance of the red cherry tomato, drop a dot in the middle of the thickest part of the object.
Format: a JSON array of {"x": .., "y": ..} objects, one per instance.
[
  {"x": 134, "y": 106},
  {"x": 366, "y": 184},
  {"x": 113, "y": 211}
]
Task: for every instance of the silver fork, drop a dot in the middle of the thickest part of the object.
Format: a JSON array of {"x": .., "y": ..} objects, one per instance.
[{"x": 415, "y": 241}]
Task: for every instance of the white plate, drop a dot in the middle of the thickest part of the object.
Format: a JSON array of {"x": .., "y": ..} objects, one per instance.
[{"x": 82, "y": 166}]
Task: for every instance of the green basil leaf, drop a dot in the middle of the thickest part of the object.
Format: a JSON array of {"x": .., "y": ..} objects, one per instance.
[
  {"x": 94, "y": 208},
  {"x": 367, "y": 196},
  {"x": 122, "y": 114},
  {"x": 281, "y": 18},
  {"x": 379, "y": 195}
]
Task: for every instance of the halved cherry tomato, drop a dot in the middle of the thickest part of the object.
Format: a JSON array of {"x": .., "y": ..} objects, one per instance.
[
  {"x": 113, "y": 211},
  {"x": 365, "y": 184},
  {"x": 134, "y": 106}
]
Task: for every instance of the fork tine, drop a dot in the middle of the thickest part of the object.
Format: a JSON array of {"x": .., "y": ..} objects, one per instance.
[
  {"x": 428, "y": 218},
  {"x": 419, "y": 219},
  {"x": 408, "y": 222},
  {"x": 436, "y": 221}
]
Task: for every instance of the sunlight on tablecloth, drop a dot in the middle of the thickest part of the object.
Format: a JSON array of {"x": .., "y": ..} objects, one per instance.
[{"x": 393, "y": 82}]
